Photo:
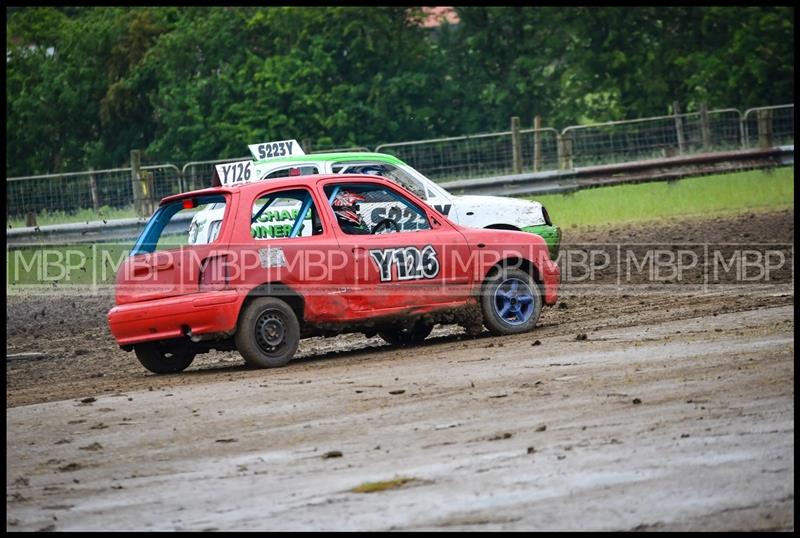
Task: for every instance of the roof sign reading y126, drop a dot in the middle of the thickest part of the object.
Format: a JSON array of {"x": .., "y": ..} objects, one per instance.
[
  {"x": 235, "y": 173},
  {"x": 270, "y": 150}
]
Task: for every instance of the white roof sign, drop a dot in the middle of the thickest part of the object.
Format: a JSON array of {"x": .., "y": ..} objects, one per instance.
[{"x": 270, "y": 150}]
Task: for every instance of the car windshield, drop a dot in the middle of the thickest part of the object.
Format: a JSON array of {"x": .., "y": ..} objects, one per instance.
[{"x": 390, "y": 172}]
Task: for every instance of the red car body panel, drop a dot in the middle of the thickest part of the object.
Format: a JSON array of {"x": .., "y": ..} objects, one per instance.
[
  {"x": 160, "y": 295},
  {"x": 205, "y": 313}
]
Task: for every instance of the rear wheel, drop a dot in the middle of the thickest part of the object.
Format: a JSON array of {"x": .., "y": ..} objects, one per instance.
[
  {"x": 511, "y": 302},
  {"x": 161, "y": 361},
  {"x": 404, "y": 336},
  {"x": 268, "y": 333}
]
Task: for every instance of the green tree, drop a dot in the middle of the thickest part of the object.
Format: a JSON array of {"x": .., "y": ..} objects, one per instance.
[{"x": 87, "y": 85}]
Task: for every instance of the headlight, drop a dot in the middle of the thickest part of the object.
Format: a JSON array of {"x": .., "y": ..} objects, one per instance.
[{"x": 546, "y": 217}]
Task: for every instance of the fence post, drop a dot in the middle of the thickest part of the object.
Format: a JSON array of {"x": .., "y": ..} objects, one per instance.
[
  {"x": 136, "y": 185},
  {"x": 149, "y": 188},
  {"x": 742, "y": 131},
  {"x": 193, "y": 180},
  {"x": 516, "y": 145},
  {"x": 93, "y": 186},
  {"x": 565, "y": 151},
  {"x": 705, "y": 127},
  {"x": 765, "y": 139},
  {"x": 142, "y": 185},
  {"x": 537, "y": 143},
  {"x": 676, "y": 110}
]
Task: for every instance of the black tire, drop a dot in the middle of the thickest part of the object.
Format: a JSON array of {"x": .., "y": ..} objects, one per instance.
[
  {"x": 505, "y": 302},
  {"x": 161, "y": 361},
  {"x": 401, "y": 336},
  {"x": 268, "y": 333}
]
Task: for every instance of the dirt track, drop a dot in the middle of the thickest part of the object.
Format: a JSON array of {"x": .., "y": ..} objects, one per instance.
[{"x": 676, "y": 412}]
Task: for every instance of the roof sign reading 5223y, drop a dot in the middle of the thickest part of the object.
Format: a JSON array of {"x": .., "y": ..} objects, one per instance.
[{"x": 270, "y": 150}]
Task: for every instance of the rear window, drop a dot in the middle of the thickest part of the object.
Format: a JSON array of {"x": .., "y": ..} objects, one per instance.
[{"x": 190, "y": 221}]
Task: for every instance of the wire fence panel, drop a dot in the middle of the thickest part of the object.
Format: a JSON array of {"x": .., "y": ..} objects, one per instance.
[
  {"x": 651, "y": 138},
  {"x": 197, "y": 174},
  {"x": 71, "y": 197},
  {"x": 769, "y": 126},
  {"x": 546, "y": 157},
  {"x": 334, "y": 149},
  {"x": 167, "y": 180},
  {"x": 68, "y": 193},
  {"x": 63, "y": 195},
  {"x": 481, "y": 155}
]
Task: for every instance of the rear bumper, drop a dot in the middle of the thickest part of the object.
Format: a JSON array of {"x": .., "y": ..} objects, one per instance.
[
  {"x": 551, "y": 278},
  {"x": 173, "y": 317}
]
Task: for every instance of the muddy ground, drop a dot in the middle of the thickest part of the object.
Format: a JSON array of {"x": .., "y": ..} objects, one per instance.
[{"x": 635, "y": 405}]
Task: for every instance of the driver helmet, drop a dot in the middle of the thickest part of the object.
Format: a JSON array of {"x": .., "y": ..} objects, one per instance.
[{"x": 345, "y": 205}]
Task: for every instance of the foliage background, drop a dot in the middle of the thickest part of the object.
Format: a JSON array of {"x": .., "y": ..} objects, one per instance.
[{"x": 85, "y": 85}]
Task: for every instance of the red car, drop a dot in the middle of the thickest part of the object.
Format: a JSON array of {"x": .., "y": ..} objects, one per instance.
[{"x": 325, "y": 274}]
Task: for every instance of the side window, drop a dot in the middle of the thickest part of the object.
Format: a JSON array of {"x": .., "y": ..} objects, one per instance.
[
  {"x": 390, "y": 172},
  {"x": 190, "y": 221},
  {"x": 373, "y": 209},
  {"x": 293, "y": 171},
  {"x": 289, "y": 213}
]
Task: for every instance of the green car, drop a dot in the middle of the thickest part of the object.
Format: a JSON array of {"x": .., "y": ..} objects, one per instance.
[{"x": 286, "y": 158}]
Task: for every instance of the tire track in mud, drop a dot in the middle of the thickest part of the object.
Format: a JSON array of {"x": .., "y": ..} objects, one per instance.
[{"x": 666, "y": 425}]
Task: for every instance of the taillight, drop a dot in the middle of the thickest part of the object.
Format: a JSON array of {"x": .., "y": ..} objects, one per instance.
[{"x": 214, "y": 274}]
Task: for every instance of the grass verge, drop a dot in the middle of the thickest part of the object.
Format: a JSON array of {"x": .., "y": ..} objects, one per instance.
[
  {"x": 754, "y": 190},
  {"x": 45, "y": 217}
]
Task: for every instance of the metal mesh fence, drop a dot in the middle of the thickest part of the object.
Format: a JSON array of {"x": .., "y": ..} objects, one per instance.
[
  {"x": 70, "y": 197},
  {"x": 63, "y": 196},
  {"x": 334, "y": 149},
  {"x": 479, "y": 155},
  {"x": 769, "y": 126},
  {"x": 198, "y": 174},
  {"x": 651, "y": 138},
  {"x": 546, "y": 156}
]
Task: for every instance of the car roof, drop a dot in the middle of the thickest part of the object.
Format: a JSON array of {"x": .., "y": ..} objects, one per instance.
[
  {"x": 276, "y": 183},
  {"x": 334, "y": 157}
]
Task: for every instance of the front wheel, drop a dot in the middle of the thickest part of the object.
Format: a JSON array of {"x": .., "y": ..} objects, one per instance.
[
  {"x": 511, "y": 302},
  {"x": 268, "y": 333},
  {"x": 162, "y": 361},
  {"x": 403, "y": 336}
]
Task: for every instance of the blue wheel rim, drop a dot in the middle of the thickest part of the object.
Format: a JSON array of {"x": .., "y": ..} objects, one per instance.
[{"x": 514, "y": 301}]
